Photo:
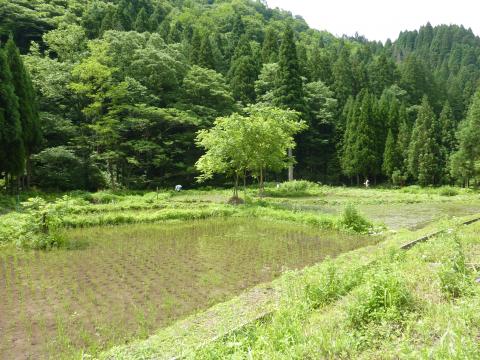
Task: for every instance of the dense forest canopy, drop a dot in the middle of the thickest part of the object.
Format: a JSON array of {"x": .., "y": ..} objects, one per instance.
[{"x": 123, "y": 87}]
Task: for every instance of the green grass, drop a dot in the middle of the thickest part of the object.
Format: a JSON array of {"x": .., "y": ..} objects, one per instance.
[
  {"x": 122, "y": 283},
  {"x": 373, "y": 302},
  {"x": 400, "y": 304},
  {"x": 300, "y": 201}
]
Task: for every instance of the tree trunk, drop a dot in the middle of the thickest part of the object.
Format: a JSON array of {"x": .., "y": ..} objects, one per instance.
[
  {"x": 290, "y": 167},
  {"x": 235, "y": 190},
  {"x": 245, "y": 185},
  {"x": 358, "y": 180},
  {"x": 260, "y": 183},
  {"x": 112, "y": 174},
  {"x": 29, "y": 172}
]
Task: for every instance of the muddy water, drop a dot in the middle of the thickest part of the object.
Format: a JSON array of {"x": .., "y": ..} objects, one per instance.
[{"x": 125, "y": 282}]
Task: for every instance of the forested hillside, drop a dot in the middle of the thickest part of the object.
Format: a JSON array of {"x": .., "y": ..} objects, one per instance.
[{"x": 124, "y": 86}]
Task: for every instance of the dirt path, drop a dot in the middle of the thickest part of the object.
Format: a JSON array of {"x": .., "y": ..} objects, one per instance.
[{"x": 184, "y": 337}]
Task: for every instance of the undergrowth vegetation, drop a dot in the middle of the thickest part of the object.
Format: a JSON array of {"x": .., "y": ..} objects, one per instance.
[
  {"x": 295, "y": 188},
  {"x": 37, "y": 227},
  {"x": 385, "y": 304},
  {"x": 38, "y": 223},
  {"x": 365, "y": 304},
  {"x": 299, "y": 201}
]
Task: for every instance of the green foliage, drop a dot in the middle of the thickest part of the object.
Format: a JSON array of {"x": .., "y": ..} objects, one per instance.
[
  {"x": 316, "y": 145},
  {"x": 354, "y": 221},
  {"x": 448, "y": 191},
  {"x": 295, "y": 188},
  {"x": 455, "y": 278},
  {"x": 385, "y": 298},
  {"x": 255, "y": 143},
  {"x": 40, "y": 229},
  {"x": 289, "y": 94},
  {"x": 12, "y": 154},
  {"x": 206, "y": 93},
  {"x": 267, "y": 83},
  {"x": 398, "y": 179},
  {"x": 331, "y": 285},
  {"x": 27, "y": 105},
  {"x": 126, "y": 85},
  {"x": 389, "y": 156},
  {"x": 424, "y": 150},
  {"x": 103, "y": 197},
  {"x": 359, "y": 155},
  {"x": 59, "y": 168},
  {"x": 463, "y": 162}
]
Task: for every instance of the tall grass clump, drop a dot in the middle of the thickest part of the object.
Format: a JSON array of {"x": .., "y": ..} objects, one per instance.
[
  {"x": 332, "y": 285},
  {"x": 295, "y": 188},
  {"x": 454, "y": 275},
  {"x": 103, "y": 197},
  {"x": 354, "y": 221},
  {"x": 448, "y": 191},
  {"x": 385, "y": 298}
]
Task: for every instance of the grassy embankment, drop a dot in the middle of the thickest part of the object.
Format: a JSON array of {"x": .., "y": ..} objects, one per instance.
[
  {"x": 367, "y": 303},
  {"x": 375, "y": 302},
  {"x": 302, "y": 202}
]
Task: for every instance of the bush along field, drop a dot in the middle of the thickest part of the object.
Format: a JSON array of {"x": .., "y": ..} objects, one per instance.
[
  {"x": 377, "y": 302},
  {"x": 38, "y": 222}
]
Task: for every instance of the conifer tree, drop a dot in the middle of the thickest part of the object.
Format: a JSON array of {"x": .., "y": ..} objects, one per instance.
[
  {"x": 390, "y": 159},
  {"x": 319, "y": 66},
  {"x": 195, "y": 46},
  {"x": 270, "y": 46},
  {"x": 351, "y": 114},
  {"x": 424, "y": 149},
  {"x": 154, "y": 20},
  {"x": 29, "y": 119},
  {"x": 289, "y": 94},
  {"x": 124, "y": 14},
  {"x": 175, "y": 33},
  {"x": 382, "y": 73},
  {"x": 449, "y": 128},
  {"x": 238, "y": 29},
  {"x": 142, "y": 21},
  {"x": 12, "y": 153},
  {"x": 205, "y": 56},
  {"x": 107, "y": 22},
  {"x": 366, "y": 156},
  {"x": 243, "y": 73},
  {"x": 344, "y": 83},
  {"x": 290, "y": 91},
  {"x": 393, "y": 117},
  {"x": 403, "y": 140},
  {"x": 468, "y": 154},
  {"x": 448, "y": 140}
]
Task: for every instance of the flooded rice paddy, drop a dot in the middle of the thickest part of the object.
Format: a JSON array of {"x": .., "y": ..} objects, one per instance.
[
  {"x": 125, "y": 282},
  {"x": 396, "y": 216}
]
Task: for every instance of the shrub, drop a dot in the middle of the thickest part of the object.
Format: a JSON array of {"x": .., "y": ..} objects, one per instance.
[
  {"x": 104, "y": 197},
  {"x": 291, "y": 189},
  {"x": 41, "y": 223},
  {"x": 354, "y": 221},
  {"x": 385, "y": 298},
  {"x": 58, "y": 168},
  {"x": 448, "y": 191},
  {"x": 398, "y": 179}
]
